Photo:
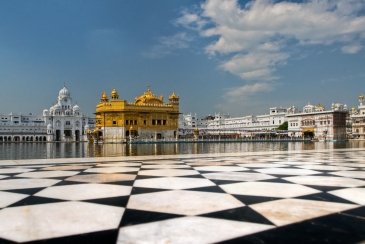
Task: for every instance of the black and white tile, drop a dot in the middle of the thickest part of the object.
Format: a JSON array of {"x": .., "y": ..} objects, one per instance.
[{"x": 266, "y": 197}]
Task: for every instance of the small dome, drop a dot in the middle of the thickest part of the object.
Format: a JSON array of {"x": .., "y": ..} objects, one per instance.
[
  {"x": 114, "y": 94},
  {"x": 76, "y": 108},
  {"x": 49, "y": 127},
  {"x": 104, "y": 97},
  {"x": 45, "y": 112},
  {"x": 64, "y": 92}
]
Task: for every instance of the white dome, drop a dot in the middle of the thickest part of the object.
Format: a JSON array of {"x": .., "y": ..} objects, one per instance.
[
  {"x": 49, "y": 127},
  {"x": 76, "y": 108},
  {"x": 64, "y": 92},
  {"x": 45, "y": 112}
]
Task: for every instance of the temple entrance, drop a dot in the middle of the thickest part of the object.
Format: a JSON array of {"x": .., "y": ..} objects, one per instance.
[
  {"x": 308, "y": 134},
  {"x": 77, "y": 135},
  {"x": 158, "y": 136},
  {"x": 58, "y": 135}
]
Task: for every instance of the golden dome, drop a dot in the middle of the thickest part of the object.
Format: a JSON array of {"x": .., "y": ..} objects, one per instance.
[
  {"x": 114, "y": 94},
  {"x": 148, "y": 98},
  {"x": 173, "y": 96},
  {"x": 104, "y": 97}
]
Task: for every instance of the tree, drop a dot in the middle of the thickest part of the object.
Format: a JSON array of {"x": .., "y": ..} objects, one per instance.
[{"x": 283, "y": 126}]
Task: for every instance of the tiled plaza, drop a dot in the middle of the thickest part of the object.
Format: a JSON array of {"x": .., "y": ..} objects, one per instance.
[{"x": 271, "y": 197}]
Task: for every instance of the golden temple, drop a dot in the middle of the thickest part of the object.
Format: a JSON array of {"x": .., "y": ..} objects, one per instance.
[{"x": 148, "y": 117}]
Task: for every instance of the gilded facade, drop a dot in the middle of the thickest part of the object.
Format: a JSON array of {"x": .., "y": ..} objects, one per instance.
[{"x": 147, "y": 118}]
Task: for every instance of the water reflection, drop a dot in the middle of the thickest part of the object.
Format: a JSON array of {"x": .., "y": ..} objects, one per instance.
[{"x": 76, "y": 150}]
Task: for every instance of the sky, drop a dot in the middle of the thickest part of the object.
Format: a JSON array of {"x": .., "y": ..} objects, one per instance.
[{"x": 227, "y": 56}]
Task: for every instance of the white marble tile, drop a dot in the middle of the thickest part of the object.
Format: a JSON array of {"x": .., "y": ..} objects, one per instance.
[
  {"x": 297, "y": 162},
  {"x": 119, "y": 164},
  {"x": 268, "y": 189},
  {"x": 14, "y": 170},
  {"x": 168, "y": 172},
  {"x": 47, "y": 174},
  {"x": 238, "y": 176},
  {"x": 345, "y": 164},
  {"x": 188, "y": 230},
  {"x": 220, "y": 168},
  {"x": 112, "y": 170},
  {"x": 67, "y": 167},
  {"x": 102, "y": 178},
  {"x": 183, "y": 202},
  {"x": 12, "y": 184},
  {"x": 7, "y": 198},
  {"x": 43, "y": 221},
  {"x": 84, "y": 191},
  {"x": 3, "y": 176},
  {"x": 262, "y": 165},
  {"x": 325, "y": 167},
  {"x": 356, "y": 195},
  {"x": 210, "y": 163},
  {"x": 165, "y": 166},
  {"x": 288, "y": 211},
  {"x": 350, "y": 174},
  {"x": 163, "y": 162},
  {"x": 287, "y": 171},
  {"x": 326, "y": 181},
  {"x": 173, "y": 183}
]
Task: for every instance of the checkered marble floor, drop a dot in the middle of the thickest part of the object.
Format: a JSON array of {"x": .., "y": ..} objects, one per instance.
[{"x": 272, "y": 197}]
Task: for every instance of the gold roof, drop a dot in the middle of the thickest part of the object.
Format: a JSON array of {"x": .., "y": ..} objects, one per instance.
[
  {"x": 114, "y": 94},
  {"x": 173, "y": 96},
  {"x": 104, "y": 97},
  {"x": 148, "y": 98}
]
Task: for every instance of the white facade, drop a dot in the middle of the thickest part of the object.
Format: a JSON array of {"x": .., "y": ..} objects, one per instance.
[
  {"x": 357, "y": 117},
  {"x": 64, "y": 120},
  {"x": 318, "y": 123},
  {"x": 21, "y": 128}
]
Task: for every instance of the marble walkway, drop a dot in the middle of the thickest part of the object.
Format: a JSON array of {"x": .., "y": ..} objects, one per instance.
[{"x": 271, "y": 197}]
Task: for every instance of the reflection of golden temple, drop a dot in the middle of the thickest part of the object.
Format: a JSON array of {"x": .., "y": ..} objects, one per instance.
[{"x": 148, "y": 117}]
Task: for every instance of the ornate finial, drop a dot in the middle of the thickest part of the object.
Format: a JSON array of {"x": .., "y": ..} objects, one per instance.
[
  {"x": 104, "y": 97},
  {"x": 114, "y": 94}
]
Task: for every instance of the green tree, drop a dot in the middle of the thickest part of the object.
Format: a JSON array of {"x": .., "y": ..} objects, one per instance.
[{"x": 283, "y": 126}]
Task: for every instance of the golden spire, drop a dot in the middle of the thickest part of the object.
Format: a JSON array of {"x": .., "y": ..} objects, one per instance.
[
  {"x": 114, "y": 94},
  {"x": 104, "y": 97}
]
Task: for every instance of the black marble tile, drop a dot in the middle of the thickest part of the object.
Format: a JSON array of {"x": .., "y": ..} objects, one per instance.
[
  {"x": 249, "y": 200},
  {"x": 323, "y": 196},
  {"x": 191, "y": 176},
  {"x": 112, "y": 201},
  {"x": 208, "y": 189},
  {"x": 142, "y": 190},
  {"x": 223, "y": 182},
  {"x": 325, "y": 188},
  {"x": 142, "y": 177},
  {"x": 336, "y": 228},
  {"x": 276, "y": 180},
  {"x": 245, "y": 214},
  {"x": 69, "y": 182},
  {"x": 133, "y": 217},
  {"x": 107, "y": 237},
  {"x": 29, "y": 191},
  {"x": 33, "y": 200},
  {"x": 119, "y": 183}
]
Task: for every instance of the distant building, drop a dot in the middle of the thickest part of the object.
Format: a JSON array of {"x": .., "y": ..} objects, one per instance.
[
  {"x": 357, "y": 117},
  {"x": 317, "y": 123},
  {"x": 148, "y": 117},
  {"x": 22, "y": 128},
  {"x": 64, "y": 120}
]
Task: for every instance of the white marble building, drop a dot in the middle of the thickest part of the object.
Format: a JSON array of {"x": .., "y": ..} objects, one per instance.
[
  {"x": 64, "y": 119},
  {"x": 317, "y": 123},
  {"x": 357, "y": 117},
  {"x": 22, "y": 128}
]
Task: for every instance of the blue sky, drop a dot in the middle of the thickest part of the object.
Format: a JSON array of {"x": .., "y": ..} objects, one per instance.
[{"x": 236, "y": 57}]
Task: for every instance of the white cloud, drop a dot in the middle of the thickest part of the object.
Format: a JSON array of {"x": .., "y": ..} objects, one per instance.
[
  {"x": 168, "y": 44},
  {"x": 245, "y": 91},
  {"x": 352, "y": 48},
  {"x": 253, "y": 39}
]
